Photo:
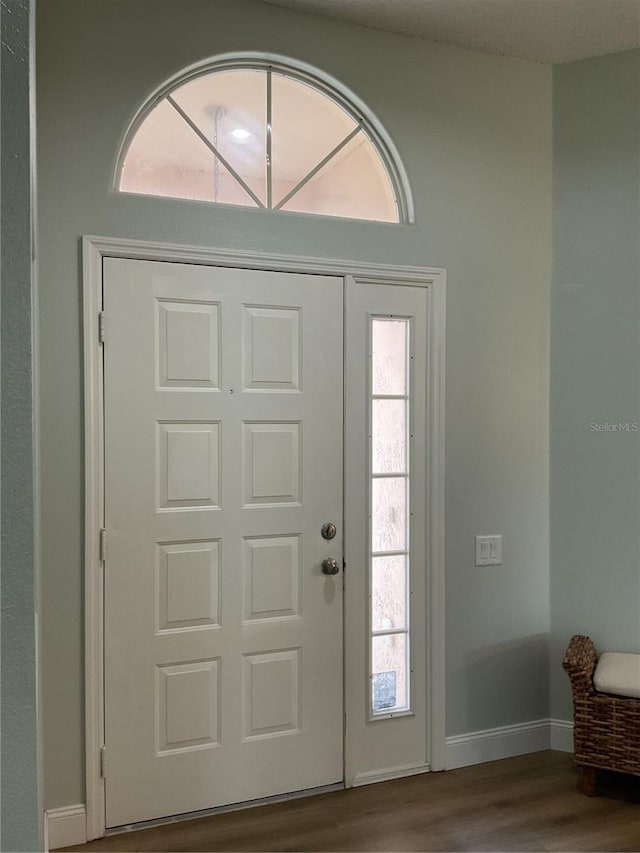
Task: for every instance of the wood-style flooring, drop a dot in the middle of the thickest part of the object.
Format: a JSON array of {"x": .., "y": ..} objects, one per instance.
[{"x": 525, "y": 803}]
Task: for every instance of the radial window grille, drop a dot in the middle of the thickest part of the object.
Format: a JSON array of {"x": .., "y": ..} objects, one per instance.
[{"x": 262, "y": 136}]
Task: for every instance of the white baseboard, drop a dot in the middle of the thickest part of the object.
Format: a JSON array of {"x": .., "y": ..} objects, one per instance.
[
  {"x": 561, "y": 735},
  {"x": 65, "y": 827},
  {"x": 386, "y": 775},
  {"x": 493, "y": 744}
]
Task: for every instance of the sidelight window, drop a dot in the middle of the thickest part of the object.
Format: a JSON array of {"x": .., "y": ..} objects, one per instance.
[{"x": 389, "y": 528}]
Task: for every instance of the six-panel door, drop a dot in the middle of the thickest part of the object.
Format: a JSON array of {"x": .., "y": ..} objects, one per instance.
[{"x": 223, "y": 458}]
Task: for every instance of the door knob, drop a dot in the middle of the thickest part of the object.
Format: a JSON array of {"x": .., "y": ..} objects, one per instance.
[{"x": 330, "y": 566}]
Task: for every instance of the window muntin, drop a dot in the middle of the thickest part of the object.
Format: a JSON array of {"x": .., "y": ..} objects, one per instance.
[
  {"x": 261, "y": 136},
  {"x": 230, "y": 111},
  {"x": 295, "y": 151},
  {"x": 389, "y": 579}
]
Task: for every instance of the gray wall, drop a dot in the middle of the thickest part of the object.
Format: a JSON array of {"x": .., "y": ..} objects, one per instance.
[
  {"x": 19, "y": 804},
  {"x": 595, "y": 363},
  {"x": 474, "y": 132}
]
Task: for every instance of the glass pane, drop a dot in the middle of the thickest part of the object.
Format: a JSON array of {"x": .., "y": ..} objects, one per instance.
[
  {"x": 389, "y": 679},
  {"x": 230, "y": 108},
  {"x": 388, "y": 593},
  {"x": 354, "y": 184},
  {"x": 306, "y": 126},
  {"x": 389, "y": 357},
  {"x": 389, "y": 514},
  {"x": 389, "y": 437},
  {"x": 167, "y": 158}
]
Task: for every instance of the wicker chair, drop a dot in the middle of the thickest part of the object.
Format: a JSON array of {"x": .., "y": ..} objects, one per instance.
[{"x": 606, "y": 733}]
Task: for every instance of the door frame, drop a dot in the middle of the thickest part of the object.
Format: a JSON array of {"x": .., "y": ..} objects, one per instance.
[{"x": 94, "y": 249}]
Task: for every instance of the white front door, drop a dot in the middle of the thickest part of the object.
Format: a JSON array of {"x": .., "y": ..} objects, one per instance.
[{"x": 223, "y": 459}]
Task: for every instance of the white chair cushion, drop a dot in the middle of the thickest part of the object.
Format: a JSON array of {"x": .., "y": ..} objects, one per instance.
[{"x": 618, "y": 673}]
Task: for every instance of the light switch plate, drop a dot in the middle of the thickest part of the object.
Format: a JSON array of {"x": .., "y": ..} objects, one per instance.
[{"x": 489, "y": 550}]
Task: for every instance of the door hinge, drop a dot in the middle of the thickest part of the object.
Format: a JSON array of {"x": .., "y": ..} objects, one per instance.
[
  {"x": 102, "y": 327},
  {"x": 103, "y": 545},
  {"x": 103, "y": 762}
]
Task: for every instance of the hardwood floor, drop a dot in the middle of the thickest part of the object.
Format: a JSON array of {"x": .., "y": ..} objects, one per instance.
[{"x": 526, "y": 803}]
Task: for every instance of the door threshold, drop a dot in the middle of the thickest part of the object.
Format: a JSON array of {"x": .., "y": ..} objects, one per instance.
[{"x": 232, "y": 807}]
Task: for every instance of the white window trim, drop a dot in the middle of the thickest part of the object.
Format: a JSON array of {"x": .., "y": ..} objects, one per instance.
[
  {"x": 409, "y": 476},
  {"x": 295, "y": 69},
  {"x": 95, "y": 248}
]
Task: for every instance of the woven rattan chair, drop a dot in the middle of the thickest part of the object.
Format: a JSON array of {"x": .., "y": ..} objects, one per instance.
[{"x": 606, "y": 729}]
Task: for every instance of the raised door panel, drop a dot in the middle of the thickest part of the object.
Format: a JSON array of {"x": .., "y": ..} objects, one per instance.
[{"x": 188, "y": 344}]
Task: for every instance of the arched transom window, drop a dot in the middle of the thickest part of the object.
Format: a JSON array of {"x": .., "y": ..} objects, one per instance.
[{"x": 264, "y": 135}]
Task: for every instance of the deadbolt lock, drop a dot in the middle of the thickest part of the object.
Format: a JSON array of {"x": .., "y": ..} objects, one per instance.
[{"x": 328, "y": 530}]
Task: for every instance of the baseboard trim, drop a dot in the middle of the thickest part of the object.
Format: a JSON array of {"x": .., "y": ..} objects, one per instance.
[
  {"x": 65, "y": 827},
  {"x": 561, "y": 735},
  {"x": 494, "y": 744},
  {"x": 387, "y": 775}
]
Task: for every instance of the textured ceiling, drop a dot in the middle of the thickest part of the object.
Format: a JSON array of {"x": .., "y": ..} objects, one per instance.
[{"x": 548, "y": 31}]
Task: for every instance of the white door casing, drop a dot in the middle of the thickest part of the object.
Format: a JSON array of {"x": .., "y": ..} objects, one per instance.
[
  {"x": 223, "y": 452},
  {"x": 97, "y": 251}
]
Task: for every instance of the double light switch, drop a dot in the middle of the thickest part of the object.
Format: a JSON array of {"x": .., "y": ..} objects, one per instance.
[{"x": 488, "y": 550}]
